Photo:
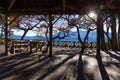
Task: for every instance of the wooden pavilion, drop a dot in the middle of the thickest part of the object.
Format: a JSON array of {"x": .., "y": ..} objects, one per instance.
[{"x": 49, "y": 7}]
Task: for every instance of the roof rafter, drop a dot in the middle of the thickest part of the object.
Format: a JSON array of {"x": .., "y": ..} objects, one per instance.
[
  {"x": 11, "y": 5},
  {"x": 110, "y": 5},
  {"x": 58, "y": 6}
]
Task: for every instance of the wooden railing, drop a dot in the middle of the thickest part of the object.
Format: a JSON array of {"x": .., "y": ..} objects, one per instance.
[
  {"x": 73, "y": 44},
  {"x": 27, "y": 46},
  {"x": 24, "y": 46}
]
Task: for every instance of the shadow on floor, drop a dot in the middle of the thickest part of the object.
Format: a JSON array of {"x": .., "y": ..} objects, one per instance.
[
  {"x": 23, "y": 61},
  {"x": 16, "y": 56},
  {"x": 102, "y": 69},
  {"x": 53, "y": 68},
  {"x": 80, "y": 75},
  {"x": 3, "y": 54},
  {"x": 113, "y": 55},
  {"x": 24, "y": 66},
  {"x": 64, "y": 65}
]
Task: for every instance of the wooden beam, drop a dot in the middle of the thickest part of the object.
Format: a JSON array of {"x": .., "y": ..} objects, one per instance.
[
  {"x": 64, "y": 4},
  {"x": 99, "y": 18},
  {"x": 6, "y": 34},
  {"x": 1, "y": 17},
  {"x": 13, "y": 20},
  {"x": 57, "y": 12},
  {"x": 50, "y": 38},
  {"x": 110, "y": 5},
  {"x": 11, "y": 5}
]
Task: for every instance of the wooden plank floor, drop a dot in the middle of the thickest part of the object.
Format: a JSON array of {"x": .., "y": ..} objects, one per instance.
[{"x": 66, "y": 64}]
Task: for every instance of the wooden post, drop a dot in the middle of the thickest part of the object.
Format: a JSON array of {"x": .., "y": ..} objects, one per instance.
[
  {"x": 50, "y": 37},
  {"x": 30, "y": 44},
  {"x": 6, "y": 34},
  {"x": 99, "y": 18},
  {"x": 13, "y": 47}
]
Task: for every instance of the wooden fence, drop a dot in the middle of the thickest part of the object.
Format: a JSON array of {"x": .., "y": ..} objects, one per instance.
[
  {"x": 25, "y": 46},
  {"x": 73, "y": 44}
]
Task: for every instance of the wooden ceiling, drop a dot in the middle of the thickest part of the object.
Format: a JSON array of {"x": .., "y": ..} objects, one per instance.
[{"x": 58, "y": 6}]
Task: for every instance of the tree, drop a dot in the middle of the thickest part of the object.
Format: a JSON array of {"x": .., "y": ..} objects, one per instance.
[
  {"x": 111, "y": 25},
  {"x": 26, "y": 23},
  {"x": 81, "y": 22},
  {"x": 119, "y": 31},
  {"x": 43, "y": 28},
  {"x": 113, "y": 30},
  {"x": 103, "y": 25}
]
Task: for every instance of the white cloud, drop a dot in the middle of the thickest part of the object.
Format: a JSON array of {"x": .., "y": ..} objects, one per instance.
[{"x": 21, "y": 32}]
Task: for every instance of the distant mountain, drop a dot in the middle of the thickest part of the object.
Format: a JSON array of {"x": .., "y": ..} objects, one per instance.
[
  {"x": 18, "y": 37},
  {"x": 73, "y": 36},
  {"x": 92, "y": 37}
]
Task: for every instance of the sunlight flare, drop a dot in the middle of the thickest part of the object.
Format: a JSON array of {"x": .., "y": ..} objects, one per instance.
[{"x": 92, "y": 14}]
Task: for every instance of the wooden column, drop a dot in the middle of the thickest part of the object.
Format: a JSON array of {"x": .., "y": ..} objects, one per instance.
[
  {"x": 50, "y": 36},
  {"x": 6, "y": 34},
  {"x": 98, "y": 34},
  {"x": 30, "y": 44}
]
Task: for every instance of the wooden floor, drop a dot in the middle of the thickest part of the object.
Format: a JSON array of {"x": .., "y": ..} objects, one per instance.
[{"x": 66, "y": 64}]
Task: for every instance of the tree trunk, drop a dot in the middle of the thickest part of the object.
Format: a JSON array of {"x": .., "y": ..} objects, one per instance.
[
  {"x": 24, "y": 34},
  {"x": 114, "y": 36},
  {"x": 103, "y": 47},
  {"x": 47, "y": 46},
  {"x": 83, "y": 46},
  {"x": 119, "y": 32},
  {"x": 109, "y": 43}
]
